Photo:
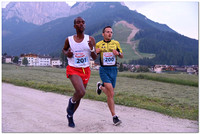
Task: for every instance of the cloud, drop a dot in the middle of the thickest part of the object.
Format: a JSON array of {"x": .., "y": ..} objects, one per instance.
[{"x": 70, "y": 3}]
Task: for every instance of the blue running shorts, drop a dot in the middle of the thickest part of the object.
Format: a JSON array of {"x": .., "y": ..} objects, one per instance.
[{"x": 108, "y": 75}]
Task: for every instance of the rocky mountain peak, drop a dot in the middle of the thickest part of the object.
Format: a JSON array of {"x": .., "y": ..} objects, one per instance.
[
  {"x": 42, "y": 12},
  {"x": 36, "y": 12},
  {"x": 80, "y": 7}
]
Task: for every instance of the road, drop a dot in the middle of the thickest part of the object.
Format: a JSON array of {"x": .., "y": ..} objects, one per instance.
[{"x": 28, "y": 110}]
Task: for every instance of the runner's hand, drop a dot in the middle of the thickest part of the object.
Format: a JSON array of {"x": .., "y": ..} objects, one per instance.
[
  {"x": 90, "y": 44},
  {"x": 68, "y": 53},
  {"x": 115, "y": 52},
  {"x": 98, "y": 50}
]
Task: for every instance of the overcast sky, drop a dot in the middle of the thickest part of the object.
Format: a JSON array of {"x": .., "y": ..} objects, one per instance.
[{"x": 181, "y": 16}]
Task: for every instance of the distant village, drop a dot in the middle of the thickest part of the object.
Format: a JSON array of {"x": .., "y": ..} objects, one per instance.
[
  {"x": 48, "y": 61},
  {"x": 32, "y": 60}
]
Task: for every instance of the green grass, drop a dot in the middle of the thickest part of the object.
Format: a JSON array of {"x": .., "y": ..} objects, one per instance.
[
  {"x": 173, "y": 99},
  {"x": 121, "y": 32},
  {"x": 181, "y": 79},
  {"x": 121, "y": 36}
]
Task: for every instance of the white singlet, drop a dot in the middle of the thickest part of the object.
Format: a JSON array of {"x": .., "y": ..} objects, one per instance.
[{"x": 81, "y": 52}]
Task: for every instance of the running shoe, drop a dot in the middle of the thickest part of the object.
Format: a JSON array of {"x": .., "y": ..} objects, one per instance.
[
  {"x": 71, "y": 121},
  {"x": 70, "y": 108},
  {"x": 116, "y": 121},
  {"x": 98, "y": 90}
]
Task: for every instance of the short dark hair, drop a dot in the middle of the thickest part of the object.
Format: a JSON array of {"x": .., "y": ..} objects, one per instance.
[
  {"x": 105, "y": 28},
  {"x": 76, "y": 18}
]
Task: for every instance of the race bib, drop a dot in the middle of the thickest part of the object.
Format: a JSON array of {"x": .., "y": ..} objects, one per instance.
[
  {"x": 80, "y": 58},
  {"x": 109, "y": 58}
]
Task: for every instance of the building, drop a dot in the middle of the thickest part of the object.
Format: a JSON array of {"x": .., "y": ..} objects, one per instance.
[
  {"x": 158, "y": 68},
  {"x": 44, "y": 60},
  {"x": 32, "y": 59},
  {"x": 163, "y": 68},
  {"x": 56, "y": 62},
  {"x": 35, "y": 60},
  {"x": 7, "y": 59}
]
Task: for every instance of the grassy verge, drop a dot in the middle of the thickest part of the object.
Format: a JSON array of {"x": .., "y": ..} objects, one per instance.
[
  {"x": 159, "y": 77},
  {"x": 171, "y": 99}
]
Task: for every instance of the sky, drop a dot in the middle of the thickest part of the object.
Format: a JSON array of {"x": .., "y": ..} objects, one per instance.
[{"x": 181, "y": 16}]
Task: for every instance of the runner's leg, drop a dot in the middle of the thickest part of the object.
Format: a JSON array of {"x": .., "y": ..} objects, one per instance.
[
  {"x": 79, "y": 87},
  {"x": 78, "y": 102},
  {"x": 109, "y": 91}
]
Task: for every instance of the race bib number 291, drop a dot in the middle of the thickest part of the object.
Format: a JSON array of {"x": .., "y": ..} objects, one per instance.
[{"x": 108, "y": 58}]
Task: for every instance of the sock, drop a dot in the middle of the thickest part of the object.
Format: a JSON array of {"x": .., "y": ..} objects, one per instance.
[
  {"x": 100, "y": 86},
  {"x": 72, "y": 101},
  {"x": 114, "y": 116},
  {"x": 69, "y": 116}
]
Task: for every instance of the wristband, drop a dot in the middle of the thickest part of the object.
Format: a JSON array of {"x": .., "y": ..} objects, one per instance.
[
  {"x": 92, "y": 50},
  {"x": 119, "y": 53}
]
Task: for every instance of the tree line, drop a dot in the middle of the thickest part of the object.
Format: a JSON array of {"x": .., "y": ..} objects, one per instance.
[{"x": 170, "y": 48}]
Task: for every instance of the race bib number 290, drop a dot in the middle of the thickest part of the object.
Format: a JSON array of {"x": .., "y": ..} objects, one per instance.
[
  {"x": 109, "y": 58},
  {"x": 80, "y": 58}
]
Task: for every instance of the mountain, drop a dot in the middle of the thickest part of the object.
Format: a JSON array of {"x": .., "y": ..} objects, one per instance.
[
  {"x": 80, "y": 7},
  {"x": 15, "y": 25},
  {"x": 49, "y": 38},
  {"x": 169, "y": 48},
  {"x": 36, "y": 12},
  {"x": 40, "y": 13},
  {"x": 19, "y": 18}
]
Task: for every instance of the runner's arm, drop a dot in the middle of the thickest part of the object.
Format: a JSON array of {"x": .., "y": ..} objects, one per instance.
[
  {"x": 92, "y": 46},
  {"x": 66, "y": 49},
  {"x": 119, "y": 49}
]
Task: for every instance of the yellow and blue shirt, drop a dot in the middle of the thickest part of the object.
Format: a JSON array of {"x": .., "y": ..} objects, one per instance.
[{"x": 107, "y": 58}]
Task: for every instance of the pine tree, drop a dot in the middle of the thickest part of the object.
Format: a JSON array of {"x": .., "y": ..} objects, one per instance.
[
  {"x": 16, "y": 59},
  {"x": 25, "y": 61}
]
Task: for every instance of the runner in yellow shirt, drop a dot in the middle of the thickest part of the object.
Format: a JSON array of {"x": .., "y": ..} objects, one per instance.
[
  {"x": 109, "y": 50},
  {"x": 107, "y": 56}
]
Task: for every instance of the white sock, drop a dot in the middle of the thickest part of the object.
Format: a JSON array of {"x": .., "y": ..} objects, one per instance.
[
  {"x": 114, "y": 116},
  {"x": 69, "y": 116},
  {"x": 72, "y": 101},
  {"x": 100, "y": 86}
]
